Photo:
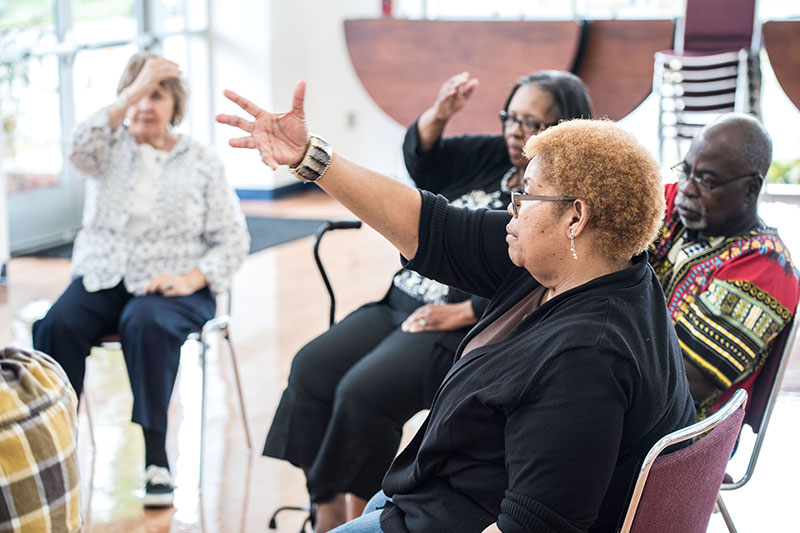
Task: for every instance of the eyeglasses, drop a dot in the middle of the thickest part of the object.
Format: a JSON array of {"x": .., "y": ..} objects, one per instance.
[
  {"x": 529, "y": 126},
  {"x": 518, "y": 197},
  {"x": 703, "y": 182}
]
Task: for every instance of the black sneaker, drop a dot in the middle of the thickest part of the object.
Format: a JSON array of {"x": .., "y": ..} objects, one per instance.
[{"x": 159, "y": 490}]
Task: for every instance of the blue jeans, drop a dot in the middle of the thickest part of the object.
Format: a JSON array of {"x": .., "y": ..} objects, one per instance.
[{"x": 370, "y": 519}]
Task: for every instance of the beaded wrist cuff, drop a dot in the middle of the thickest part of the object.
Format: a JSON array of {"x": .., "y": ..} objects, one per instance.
[{"x": 315, "y": 162}]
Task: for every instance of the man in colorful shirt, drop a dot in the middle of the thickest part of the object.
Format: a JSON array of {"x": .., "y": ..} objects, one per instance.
[{"x": 729, "y": 280}]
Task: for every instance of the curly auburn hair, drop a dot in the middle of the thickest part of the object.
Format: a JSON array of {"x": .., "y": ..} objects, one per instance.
[
  {"x": 619, "y": 180},
  {"x": 177, "y": 86}
]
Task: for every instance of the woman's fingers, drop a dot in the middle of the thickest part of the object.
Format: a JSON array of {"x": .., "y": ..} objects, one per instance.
[
  {"x": 243, "y": 142},
  {"x": 272, "y": 134},
  {"x": 419, "y": 320},
  {"x": 238, "y": 122},
  {"x": 243, "y": 102},
  {"x": 268, "y": 160},
  {"x": 298, "y": 97},
  {"x": 469, "y": 87}
]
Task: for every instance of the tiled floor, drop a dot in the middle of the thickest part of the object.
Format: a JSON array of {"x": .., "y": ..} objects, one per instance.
[{"x": 279, "y": 303}]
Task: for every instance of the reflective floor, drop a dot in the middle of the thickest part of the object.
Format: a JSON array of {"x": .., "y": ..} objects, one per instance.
[{"x": 279, "y": 303}]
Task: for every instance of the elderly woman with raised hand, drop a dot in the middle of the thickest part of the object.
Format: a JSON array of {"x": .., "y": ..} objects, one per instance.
[
  {"x": 573, "y": 372},
  {"x": 162, "y": 234},
  {"x": 352, "y": 388}
]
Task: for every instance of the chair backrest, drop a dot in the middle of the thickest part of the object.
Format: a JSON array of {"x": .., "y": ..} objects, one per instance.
[
  {"x": 768, "y": 381},
  {"x": 676, "y": 492},
  {"x": 764, "y": 388},
  {"x": 718, "y": 25}
]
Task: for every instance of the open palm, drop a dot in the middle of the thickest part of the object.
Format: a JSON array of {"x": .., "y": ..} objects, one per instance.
[
  {"x": 281, "y": 139},
  {"x": 454, "y": 95}
]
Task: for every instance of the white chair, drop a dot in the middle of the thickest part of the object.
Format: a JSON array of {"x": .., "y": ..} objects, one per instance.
[
  {"x": 220, "y": 324},
  {"x": 713, "y": 69}
]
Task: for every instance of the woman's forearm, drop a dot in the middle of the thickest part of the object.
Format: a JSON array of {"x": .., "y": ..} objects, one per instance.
[
  {"x": 117, "y": 111},
  {"x": 430, "y": 129},
  {"x": 390, "y": 207}
]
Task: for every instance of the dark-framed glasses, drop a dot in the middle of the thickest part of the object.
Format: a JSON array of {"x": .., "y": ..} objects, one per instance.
[
  {"x": 528, "y": 125},
  {"x": 703, "y": 182},
  {"x": 518, "y": 197}
]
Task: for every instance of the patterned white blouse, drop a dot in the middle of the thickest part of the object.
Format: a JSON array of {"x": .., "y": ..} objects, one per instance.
[{"x": 195, "y": 218}]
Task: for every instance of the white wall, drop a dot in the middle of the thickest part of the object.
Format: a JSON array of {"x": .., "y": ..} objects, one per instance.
[
  {"x": 239, "y": 42},
  {"x": 260, "y": 49}
]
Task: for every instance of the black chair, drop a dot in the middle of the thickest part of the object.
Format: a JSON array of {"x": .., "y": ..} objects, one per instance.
[{"x": 327, "y": 226}]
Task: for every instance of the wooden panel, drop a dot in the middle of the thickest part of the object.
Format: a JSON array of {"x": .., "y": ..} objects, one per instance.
[
  {"x": 617, "y": 62},
  {"x": 782, "y": 41},
  {"x": 403, "y": 63}
]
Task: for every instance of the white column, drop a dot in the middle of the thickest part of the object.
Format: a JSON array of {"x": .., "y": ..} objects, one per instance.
[
  {"x": 239, "y": 45},
  {"x": 260, "y": 49}
]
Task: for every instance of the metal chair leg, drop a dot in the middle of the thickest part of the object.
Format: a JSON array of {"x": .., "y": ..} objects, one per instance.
[
  {"x": 86, "y": 405},
  {"x": 725, "y": 515},
  {"x": 310, "y": 519},
  {"x": 203, "y": 347},
  {"x": 226, "y": 334}
]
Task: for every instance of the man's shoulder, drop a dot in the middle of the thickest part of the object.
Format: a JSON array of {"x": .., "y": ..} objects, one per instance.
[{"x": 763, "y": 246}]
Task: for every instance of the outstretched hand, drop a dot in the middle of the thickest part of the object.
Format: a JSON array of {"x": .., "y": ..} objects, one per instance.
[
  {"x": 282, "y": 139},
  {"x": 454, "y": 94}
]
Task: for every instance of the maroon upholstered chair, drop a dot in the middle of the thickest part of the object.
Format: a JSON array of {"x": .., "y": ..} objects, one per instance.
[
  {"x": 676, "y": 492},
  {"x": 712, "y": 26},
  {"x": 765, "y": 389},
  {"x": 713, "y": 68}
]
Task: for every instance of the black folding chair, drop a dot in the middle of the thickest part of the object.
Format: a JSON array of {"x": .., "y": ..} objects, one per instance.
[{"x": 323, "y": 229}]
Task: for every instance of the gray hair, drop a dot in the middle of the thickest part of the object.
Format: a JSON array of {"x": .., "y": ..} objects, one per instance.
[{"x": 752, "y": 142}]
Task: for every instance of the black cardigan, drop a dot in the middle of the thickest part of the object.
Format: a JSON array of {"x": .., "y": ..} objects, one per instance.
[
  {"x": 455, "y": 166},
  {"x": 542, "y": 431}
]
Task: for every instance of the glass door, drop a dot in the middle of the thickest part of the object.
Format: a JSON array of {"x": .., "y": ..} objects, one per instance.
[
  {"x": 43, "y": 202},
  {"x": 59, "y": 62}
]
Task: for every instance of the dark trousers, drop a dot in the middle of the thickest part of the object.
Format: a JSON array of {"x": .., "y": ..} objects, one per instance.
[
  {"x": 151, "y": 328},
  {"x": 351, "y": 390}
]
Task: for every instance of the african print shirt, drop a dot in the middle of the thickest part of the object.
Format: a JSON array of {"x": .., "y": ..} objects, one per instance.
[{"x": 728, "y": 297}]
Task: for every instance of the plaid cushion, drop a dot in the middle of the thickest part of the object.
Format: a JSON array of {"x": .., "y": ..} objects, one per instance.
[{"x": 39, "y": 478}]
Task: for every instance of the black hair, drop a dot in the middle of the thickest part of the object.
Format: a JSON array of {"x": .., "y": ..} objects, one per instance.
[{"x": 569, "y": 93}]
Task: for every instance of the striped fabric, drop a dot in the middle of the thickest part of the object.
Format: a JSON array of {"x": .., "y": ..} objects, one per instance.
[
  {"x": 39, "y": 478},
  {"x": 729, "y": 297}
]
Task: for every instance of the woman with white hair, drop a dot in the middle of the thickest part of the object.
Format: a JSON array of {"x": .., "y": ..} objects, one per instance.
[{"x": 162, "y": 234}]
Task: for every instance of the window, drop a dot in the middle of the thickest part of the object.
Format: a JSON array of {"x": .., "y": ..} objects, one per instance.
[
  {"x": 59, "y": 62},
  {"x": 32, "y": 127},
  {"x": 538, "y": 9}
]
